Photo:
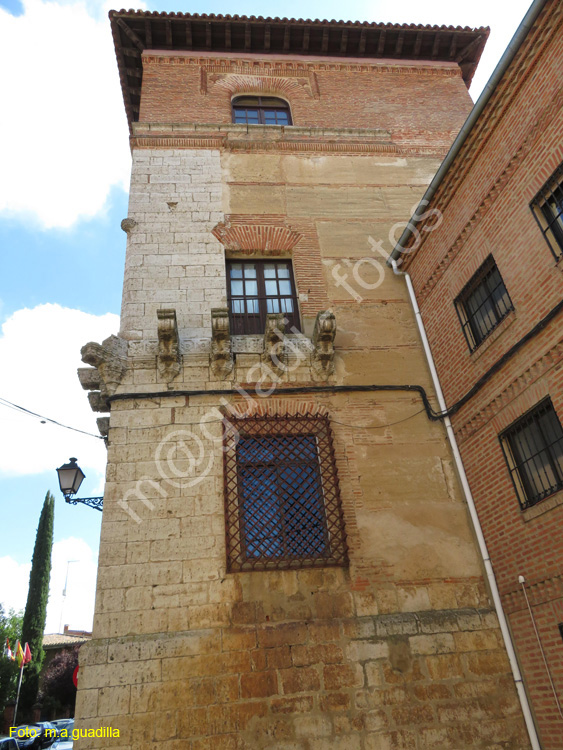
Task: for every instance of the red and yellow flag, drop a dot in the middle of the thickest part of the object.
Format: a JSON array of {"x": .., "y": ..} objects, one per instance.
[
  {"x": 20, "y": 656},
  {"x": 26, "y": 654}
]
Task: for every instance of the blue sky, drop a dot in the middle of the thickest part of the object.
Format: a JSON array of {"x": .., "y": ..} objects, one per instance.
[{"x": 63, "y": 192}]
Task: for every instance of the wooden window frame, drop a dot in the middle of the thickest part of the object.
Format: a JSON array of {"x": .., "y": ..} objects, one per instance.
[
  {"x": 261, "y": 110},
  {"x": 246, "y": 323}
]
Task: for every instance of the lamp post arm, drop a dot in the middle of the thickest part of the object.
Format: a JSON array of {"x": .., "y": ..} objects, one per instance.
[{"x": 92, "y": 502}]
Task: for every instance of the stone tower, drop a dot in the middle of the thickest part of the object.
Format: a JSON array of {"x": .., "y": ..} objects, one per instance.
[{"x": 286, "y": 561}]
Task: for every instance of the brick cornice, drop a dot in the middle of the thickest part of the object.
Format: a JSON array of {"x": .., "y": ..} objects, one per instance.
[
  {"x": 539, "y": 592},
  {"x": 297, "y": 68},
  {"x": 485, "y": 413},
  {"x": 222, "y": 140}
]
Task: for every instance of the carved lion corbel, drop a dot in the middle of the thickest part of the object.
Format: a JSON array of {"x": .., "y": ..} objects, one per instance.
[
  {"x": 323, "y": 343},
  {"x": 169, "y": 357},
  {"x": 222, "y": 361},
  {"x": 108, "y": 362}
]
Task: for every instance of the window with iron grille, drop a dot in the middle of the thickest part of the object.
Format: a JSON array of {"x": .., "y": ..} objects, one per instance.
[
  {"x": 533, "y": 448},
  {"x": 261, "y": 110},
  {"x": 282, "y": 501},
  {"x": 257, "y": 288},
  {"x": 483, "y": 303},
  {"x": 547, "y": 208}
]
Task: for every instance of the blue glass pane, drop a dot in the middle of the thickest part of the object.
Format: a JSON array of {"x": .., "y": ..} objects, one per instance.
[
  {"x": 285, "y": 287},
  {"x": 236, "y": 271},
  {"x": 282, "y": 506},
  {"x": 273, "y": 305},
  {"x": 251, "y": 288},
  {"x": 283, "y": 271},
  {"x": 287, "y": 305},
  {"x": 282, "y": 118},
  {"x": 252, "y": 306},
  {"x": 236, "y": 288},
  {"x": 249, "y": 271},
  {"x": 269, "y": 270},
  {"x": 271, "y": 288},
  {"x": 237, "y": 306}
]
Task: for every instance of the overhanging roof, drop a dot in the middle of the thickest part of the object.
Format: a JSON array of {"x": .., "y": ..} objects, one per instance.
[{"x": 137, "y": 31}]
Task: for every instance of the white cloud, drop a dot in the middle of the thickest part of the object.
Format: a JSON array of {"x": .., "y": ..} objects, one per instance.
[
  {"x": 76, "y": 609},
  {"x": 39, "y": 354},
  {"x": 503, "y": 18},
  {"x": 66, "y": 137}
]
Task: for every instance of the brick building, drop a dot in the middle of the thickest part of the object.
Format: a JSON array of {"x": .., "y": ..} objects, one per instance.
[
  {"x": 489, "y": 286},
  {"x": 286, "y": 560}
]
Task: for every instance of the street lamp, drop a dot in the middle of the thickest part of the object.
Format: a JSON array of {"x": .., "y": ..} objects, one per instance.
[{"x": 71, "y": 477}]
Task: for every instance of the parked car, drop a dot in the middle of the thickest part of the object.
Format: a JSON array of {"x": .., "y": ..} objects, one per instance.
[
  {"x": 8, "y": 743},
  {"x": 62, "y": 745},
  {"x": 36, "y": 736},
  {"x": 64, "y": 728}
]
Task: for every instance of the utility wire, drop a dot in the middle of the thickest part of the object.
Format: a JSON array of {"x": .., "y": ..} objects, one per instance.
[{"x": 22, "y": 409}]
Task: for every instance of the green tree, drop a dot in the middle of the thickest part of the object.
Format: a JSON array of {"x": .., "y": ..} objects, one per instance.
[
  {"x": 10, "y": 628},
  {"x": 36, "y": 607}
]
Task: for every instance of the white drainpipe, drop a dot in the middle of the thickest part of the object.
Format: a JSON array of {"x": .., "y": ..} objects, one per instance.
[{"x": 475, "y": 519}]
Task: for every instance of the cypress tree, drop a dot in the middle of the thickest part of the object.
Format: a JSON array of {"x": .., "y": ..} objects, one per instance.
[{"x": 36, "y": 607}]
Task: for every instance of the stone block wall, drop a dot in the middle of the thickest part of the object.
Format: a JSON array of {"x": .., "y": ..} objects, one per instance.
[{"x": 398, "y": 649}]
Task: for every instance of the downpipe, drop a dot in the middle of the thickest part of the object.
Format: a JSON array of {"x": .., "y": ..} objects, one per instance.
[{"x": 517, "y": 676}]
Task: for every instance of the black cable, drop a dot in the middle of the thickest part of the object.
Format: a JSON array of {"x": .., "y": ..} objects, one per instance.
[
  {"x": 500, "y": 362},
  {"x": 9, "y": 404},
  {"x": 288, "y": 391}
]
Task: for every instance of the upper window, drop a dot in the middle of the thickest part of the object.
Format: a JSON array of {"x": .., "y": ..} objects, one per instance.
[
  {"x": 533, "y": 448},
  {"x": 547, "y": 207},
  {"x": 261, "y": 110},
  {"x": 281, "y": 494},
  {"x": 257, "y": 288},
  {"x": 483, "y": 303}
]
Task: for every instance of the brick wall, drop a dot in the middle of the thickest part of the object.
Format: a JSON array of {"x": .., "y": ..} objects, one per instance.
[
  {"x": 514, "y": 149},
  {"x": 195, "y": 88}
]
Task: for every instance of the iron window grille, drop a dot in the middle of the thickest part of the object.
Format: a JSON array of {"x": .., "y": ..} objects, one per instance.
[
  {"x": 257, "y": 288},
  {"x": 547, "y": 208},
  {"x": 282, "y": 500},
  {"x": 261, "y": 110},
  {"x": 482, "y": 303},
  {"x": 533, "y": 449}
]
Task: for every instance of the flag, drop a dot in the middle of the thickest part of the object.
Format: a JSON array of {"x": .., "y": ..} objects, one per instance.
[
  {"x": 19, "y": 654},
  {"x": 26, "y": 654},
  {"x": 7, "y": 650}
]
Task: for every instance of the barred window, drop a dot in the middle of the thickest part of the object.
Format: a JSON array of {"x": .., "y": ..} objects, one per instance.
[
  {"x": 533, "y": 448},
  {"x": 547, "y": 208},
  {"x": 282, "y": 500},
  {"x": 261, "y": 110},
  {"x": 257, "y": 288},
  {"x": 483, "y": 303}
]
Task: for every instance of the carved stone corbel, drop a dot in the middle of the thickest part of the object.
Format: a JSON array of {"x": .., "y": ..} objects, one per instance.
[
  {"x": 323, "y": 343},
  {"x": 169, "y": 356},
  {"x": 108, "y": 362},
  {"x": 222, "y": 361},
  {"x": 128, "y": 225},
  {"x": 274, "y": 349},
  {"x": 103, "y": 426}
]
